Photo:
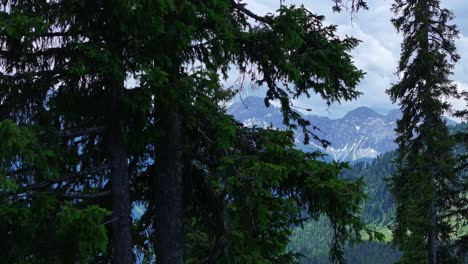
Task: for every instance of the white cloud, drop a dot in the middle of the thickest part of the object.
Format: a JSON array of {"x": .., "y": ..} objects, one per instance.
[
  {"x": 461, "y": 68},
  {"x": 371, "y": 55}
]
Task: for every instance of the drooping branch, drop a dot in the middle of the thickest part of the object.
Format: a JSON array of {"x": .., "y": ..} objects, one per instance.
[
  {"x": 241, "y": 7},
  {"x": 44, "y": 184},
  {"x": 75, "y": 132},
  {"x": 49, "y": 52},
  {"x": 73, "y": 196},
  {"x": 31, "y": 75},
  {"x": 61, "y": 34},
  {"x": 355, "y": 6},
  {"x": 81, "y": 132}
]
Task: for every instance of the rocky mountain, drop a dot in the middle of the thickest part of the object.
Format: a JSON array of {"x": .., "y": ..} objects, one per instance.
[{"x": 361, "y": 133}]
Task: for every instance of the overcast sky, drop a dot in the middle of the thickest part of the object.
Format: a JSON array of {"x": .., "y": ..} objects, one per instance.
[{"x": 378, "y": 53}]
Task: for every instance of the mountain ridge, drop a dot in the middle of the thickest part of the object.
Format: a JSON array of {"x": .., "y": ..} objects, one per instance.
[{"x": 361, "y": 134}]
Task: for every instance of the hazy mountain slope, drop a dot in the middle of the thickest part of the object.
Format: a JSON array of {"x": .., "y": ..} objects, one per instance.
[
  {"x": 361, "y": 133},
  {"x": 313, "y": 241}
]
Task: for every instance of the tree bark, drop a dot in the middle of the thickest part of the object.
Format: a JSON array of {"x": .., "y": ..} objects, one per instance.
[
  {"x": 432, "y": 243},
  {"x": 121, "y": 225},
  {"x": 169, "y": 187},
  {"x": 121, "y": 221}
]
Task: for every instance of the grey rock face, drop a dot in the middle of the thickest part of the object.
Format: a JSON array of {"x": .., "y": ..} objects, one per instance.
[{"x": 361, "y": 133}]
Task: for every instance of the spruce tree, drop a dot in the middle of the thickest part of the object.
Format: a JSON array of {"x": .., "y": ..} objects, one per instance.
[
  {"x": 290, "y": 52},
  {"x": 64, "y": 65},
  {"x": 426, "y": 187},
  {"x": 97, "y": 141},
  {"x": 461, "y": 138}
]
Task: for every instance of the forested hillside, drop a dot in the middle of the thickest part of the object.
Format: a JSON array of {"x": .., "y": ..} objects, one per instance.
[
  {"x": 378, "y": 210},
  {"x": 312, "y": 240}
]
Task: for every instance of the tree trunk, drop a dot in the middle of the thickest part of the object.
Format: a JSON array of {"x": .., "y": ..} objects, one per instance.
[
  {"x": 169, "y": 187},
  {"x": 430, "y": 120},
  {"x": 432, "y": 243},
  {"x": 121, "y": 221}
]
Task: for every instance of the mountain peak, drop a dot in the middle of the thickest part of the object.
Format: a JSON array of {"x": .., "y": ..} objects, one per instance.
[
  {"x": 362, "y": 133},
  {"x": 253, "y": 108},
  {"x": 362, "y": 112}
]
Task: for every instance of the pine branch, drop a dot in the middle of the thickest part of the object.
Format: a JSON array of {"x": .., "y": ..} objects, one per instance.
[
  {"x": 61, "y": 34},
  {"x": 49, "y": 52},
  {"x": 31, "y": 75},
  {"x": 75, "y": 132},
  {"x": 241, "y": 7},
  {"x": 44, "y": 184},
  {"x": 73, "y": 196},
  {"x": 82, "y": 131},
  {"x": 456, "y": 212}
]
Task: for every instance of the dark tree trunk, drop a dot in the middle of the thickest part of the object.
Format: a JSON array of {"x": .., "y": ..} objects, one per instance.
[
  {"x": 432, "y": 243},
  {"x": 431, "y": 121},
  {"x": 121, "y": 222},
  {"x": 169, "y": 191}
]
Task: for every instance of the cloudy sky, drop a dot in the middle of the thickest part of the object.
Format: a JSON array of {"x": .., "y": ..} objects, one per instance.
[{"x": 378, "y": 53}]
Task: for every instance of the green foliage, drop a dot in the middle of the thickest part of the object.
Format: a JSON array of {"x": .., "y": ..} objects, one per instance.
[
  {"x": 37, "y": 228},
  {"x": 46, "y": 232},
  {"x": 378, "y": 209},
  {"x": 252, "y": 185},
  {"x": 20, "y": 150},
  {"x": 313, "y": 239},
  {"x": 64, "y": 87},
  {"x": 82, "y": 231},
  {"x": 313, "y": 242},
  {"x": 427, "y": 190}
]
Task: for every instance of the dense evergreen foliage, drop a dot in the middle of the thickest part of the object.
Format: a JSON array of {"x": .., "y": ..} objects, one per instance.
[
  {"x": 105, "y": 104},
  {"x": 109, "y": 104},
  {"x": 430, "y": 196},
  {"x": 378, "y": 208},
  {"x": 313, "y": 239}
]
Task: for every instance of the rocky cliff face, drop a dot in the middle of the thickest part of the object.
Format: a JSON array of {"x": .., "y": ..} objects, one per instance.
[{"x": 361, "y": 133}]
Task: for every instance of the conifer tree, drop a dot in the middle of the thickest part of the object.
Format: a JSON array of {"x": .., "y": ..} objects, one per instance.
[
  {"x": 426, "y": 187},
  {"x": 92, "y": 139},
  {"x": 290, "y": 52},
  {"x": 461, "y": 138},
  {"x": 64, "y": 65}
]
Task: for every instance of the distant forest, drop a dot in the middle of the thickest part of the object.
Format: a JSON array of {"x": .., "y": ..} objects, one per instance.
[{"x": 312, "y": 240}]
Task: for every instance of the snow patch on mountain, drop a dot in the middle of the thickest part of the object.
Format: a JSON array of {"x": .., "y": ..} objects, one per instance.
[{"x": 361, "y": 133}]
